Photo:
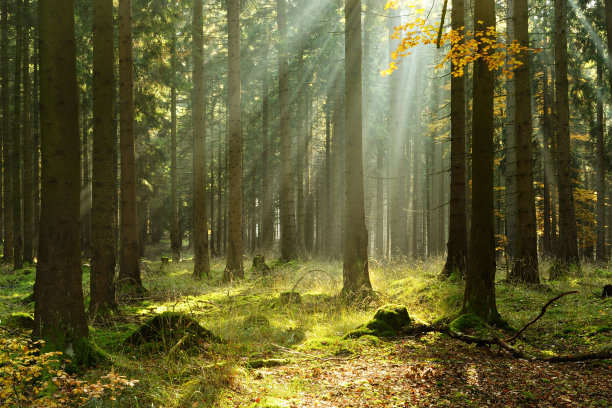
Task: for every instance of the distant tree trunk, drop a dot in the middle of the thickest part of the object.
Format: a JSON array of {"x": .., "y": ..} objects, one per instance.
[
  {"x": 356, "y": 282},
  {"x": 546, "y": 167},
  {"x": 201, "y": 265},
  {"x": 36, "y": 147},
  {"x": 267, "y": 216},
  {"x": 398, "y": 200},
  {"x": 336, "y": 244},
  {"x": 287, "y": 202},
  {"x": 479, "y": 296},
  {"x": 16, "y": 146},
  {"x": 380, "y": 203},
  {"x": 568, "y": 240},
  {"x": 220, "y": 181},
  {"x": 601, "y": 173},
  {"x": 85, "y": 186},
  {"x": 129, "y": 268},
  {"x": 457, "y": 229},
  {"x": 525, "y": 268},
  {"x": 59, "y": 314},
  {"x": 175, "y": 239},
  {"x": 327, "y": 217},
  {"x": 301, "y": 151},
  {"x": 104, "y": 186},
  {"x": 234, "y": 267},
  {"x": 7, "y": 168},
  {"x": 28, "y": 168},
  {"x": 213, "y": 227}
]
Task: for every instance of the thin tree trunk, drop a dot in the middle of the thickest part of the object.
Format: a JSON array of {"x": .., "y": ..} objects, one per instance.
[
  {"x": 85, "y": 186},
  {"x": 287, "y": 202},
  {"x": 7, "y": 197},
  {"x": 16, "y": 145},
  {"x": 568, "y": 241},
  {"x": 201, "y": 265},
  {"x": 104, "y": 186},
  {"x": 234, "y": 267},
  {"x": 327, "y": 217},
  {"x": 479, "y": 296},
  {"x": 602, "y": 255},
  {"x": 28, "y": 185},
  {"x": 356, "y": 278},
  {"x": 59, "y": 315},
  {"x": 129, "y": 268},
  {"x": 267, "y": 216},
  {"x": 301, "y": 152},
  {"x": 36, "y": 146},
  {"x": 175, "y": 239}
]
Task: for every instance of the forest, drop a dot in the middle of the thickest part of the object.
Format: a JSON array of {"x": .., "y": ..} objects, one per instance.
[{"x": 306, "y": 203}]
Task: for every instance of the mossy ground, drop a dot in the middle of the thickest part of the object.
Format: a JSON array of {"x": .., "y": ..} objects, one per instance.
[{"x": 248, "y": 317}]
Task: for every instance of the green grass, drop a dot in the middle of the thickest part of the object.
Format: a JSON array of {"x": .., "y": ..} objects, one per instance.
[{"x": 210, "y": 375}]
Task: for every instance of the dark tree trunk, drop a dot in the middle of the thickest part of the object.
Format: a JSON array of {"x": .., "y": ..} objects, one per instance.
[
  {"x": 175, "y": 239},
  {"x": 16, "y": 143},
  {"x": 7, "y": 197},
  {"x": 28, "y": 168}
]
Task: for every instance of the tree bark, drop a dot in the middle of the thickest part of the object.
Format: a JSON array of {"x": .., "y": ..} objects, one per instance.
[
  {"x": 267, "y": 216},
  {"x": 59, "y": 315},
  {"x": 479, "y": 296},
  {"x": 16, "y": 143},
  {"x": 457, "y": 245},
  {"x": 568, "y": 241},
  {"x": 201, "y": 265},
  {"x": 234, "y": 267},
  {"x": 104, "y": 185},
  {"x": 175, "y": 239},
  {"x": 356, "y": 278},
  {"x": 287, "y": 201},
  {"x": 525, "y": 268},
  {"x": 28, "y": 168},
  {"x": 129, "y": 268},
  {"x": 7, "y": 197}
]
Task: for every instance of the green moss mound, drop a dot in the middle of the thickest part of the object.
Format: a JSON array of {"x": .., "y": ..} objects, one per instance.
[
  {"x": 388, "y": 321},
  {"x": 21, "y": 321},
  {"x": 465, "y": 322},
  {"x": 171, "y": 331}
]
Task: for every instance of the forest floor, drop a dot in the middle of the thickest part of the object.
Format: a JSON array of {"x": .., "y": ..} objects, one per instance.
[{"x": 303, "y": 361}]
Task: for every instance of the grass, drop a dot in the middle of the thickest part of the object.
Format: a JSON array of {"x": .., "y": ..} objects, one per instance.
[{"x": 253, "y": 325}]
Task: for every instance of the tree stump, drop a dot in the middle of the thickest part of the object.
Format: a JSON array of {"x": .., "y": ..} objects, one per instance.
[{"x": 259, "y": 265}]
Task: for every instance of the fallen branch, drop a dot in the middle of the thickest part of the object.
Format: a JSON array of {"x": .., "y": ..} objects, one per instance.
[{"x": 513, "y": 338}]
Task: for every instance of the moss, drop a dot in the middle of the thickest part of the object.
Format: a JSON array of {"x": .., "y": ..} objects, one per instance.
[
  {"x": 256, "y": 321},
  {"x": 388, "y": 321},
  {"x": 465, "y": 322},
  {"x": 168, "y": 331},
  {"x": 21, "y": 320},
  {"x": 289, "y": 298},
  {"x": 269, "y": 362},
  {"x": 270, "y": 402}
]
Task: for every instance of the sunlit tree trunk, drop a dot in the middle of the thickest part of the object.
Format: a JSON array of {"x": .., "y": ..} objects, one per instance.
[
  {"x": 211, "y": 186},
  {"x": 175, "y": 239},
  {"x": 36, "y": 146},
  {"x": 479, "y": 296},
  {"x": 568, "y": 240},
  {"x": 16, "y": 143},
  {"x": 201, "y": 265},
  {"x": 398, "y": 200},
  {"x": 336, "y": 225},
  {"x": 511, "y": 147},
  {"x": 28, "y": 182},
  {"x": 7, "y": 215},
  {"x": 301, "y": 152},
  {"x": 234, "y": 267},
  {"x": 326, "y": 229},
  {"x": 220, "y": 180},
  {"x": 287, "y": 202},
  {"x": 267, "y": 212},
  {"x": 129, "y": 268},
  {"x": 356, "y": 281},
  {"x": 59, "y": 314},
  {"x": 525, "y": 268},
  {"x": 457, "y": 229},
  {"x": 546, "y": 167},
  {"x": 104, "y": 186},
  {"x": 600, "y": 153}
]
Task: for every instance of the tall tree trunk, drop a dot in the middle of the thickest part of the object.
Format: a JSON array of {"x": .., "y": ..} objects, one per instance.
[
  {"x": 601, "y": 174},
  {"x": 287, "y": 202},
  {"x": 175, "y": 239},
  {"x": 129, "y": 268},
  {"x": 301, "y": 151},
  {"x": 85, "y": 186},
  {"x": 212, "y": 188},
  {"x": 7, "y": 215},
  {"x": 327, "y": 217},
  {"x": 546, "y": 166},
  {"x": 16, "y": 145},
  {"x": 457, "y": 229},
  {"x": 479, "y": 296},
  {"x": 220, "y": 181},
  {"x": 380, "y": 202},
  {"x": 28, "y": 185},
  {"x": 36, "y": 146},
  {"x": 267, "y": 216},
  {"x": 568, "y": 236},
  {"x": 356, "y": 278},
  {"x": 201, "y": 265},
  {"x": 104, "y": 186},
  {"x": 335, "y": 244},
  {"x": 59, "y": 314},
  {"x": 234, "y": 267},
  {"x": 525, "y": 268}
]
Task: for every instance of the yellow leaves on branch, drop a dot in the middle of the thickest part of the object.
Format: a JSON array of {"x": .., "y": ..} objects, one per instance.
[{"x": 465, "y": 46}]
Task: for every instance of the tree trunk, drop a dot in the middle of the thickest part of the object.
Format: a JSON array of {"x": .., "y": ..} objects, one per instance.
[
  {"x": 175, "y": 239},
  {"x": 457, "y": 229},
  {"x": 602, "y": 254},
  {"x": 16, "y": 144},
  {"x": 547, "y": 166},
  {"x": 327, "y": 217},
  {"x": 287, "y": 202},
  {"x": 479, "y": 296},
  {"x": 234, "y": 267},
  {"x": 7, "y": 215},
  {"x": 525, "y": 268},
  {"x": 356, "y": 278},
  {"x": 36, "y": 147},
  {"x": 85, "y": 186},
  {"x": 104, "y": 186},
  {"x": 267, "y": 212},
  {"x": 129, "y": 268},
  {"x": 59, "y": 315},
  {"x": 28, "y": 182},
  {"x": 201, "y": 265},
  {"x": 568, "y": 241},
  {"x": 301, "y": 151}
]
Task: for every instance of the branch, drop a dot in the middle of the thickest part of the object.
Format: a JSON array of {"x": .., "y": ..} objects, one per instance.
[
  {"x": 444, "y": 7},
  {"x": 513, "y": 338}
]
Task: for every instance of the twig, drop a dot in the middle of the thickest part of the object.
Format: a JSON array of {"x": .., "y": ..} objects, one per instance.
[
  {"x": 513, "y": 338},
  {"x": 444, "y": 7}
]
